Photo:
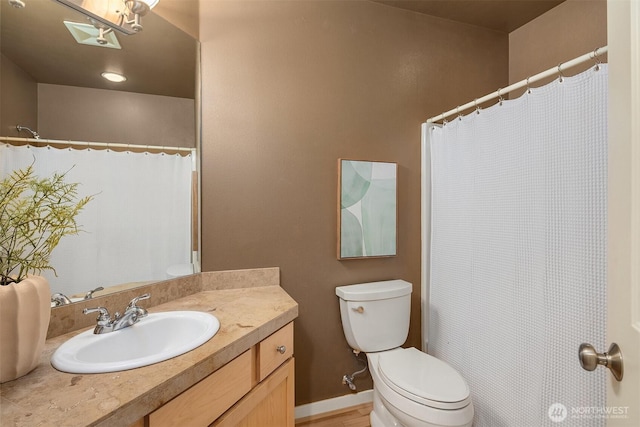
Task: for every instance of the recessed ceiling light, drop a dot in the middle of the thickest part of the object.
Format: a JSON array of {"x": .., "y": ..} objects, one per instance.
[{"x": 114, "y": 77}]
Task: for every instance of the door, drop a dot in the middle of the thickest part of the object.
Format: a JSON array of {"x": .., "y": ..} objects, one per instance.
[{"x": 623, "y": 323}]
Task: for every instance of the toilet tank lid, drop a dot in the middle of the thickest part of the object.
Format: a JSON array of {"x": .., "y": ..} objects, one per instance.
[{"x": 374, "y": 290}]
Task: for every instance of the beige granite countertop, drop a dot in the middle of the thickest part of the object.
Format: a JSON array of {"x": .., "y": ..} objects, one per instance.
[{"x": 47, "y": 397}]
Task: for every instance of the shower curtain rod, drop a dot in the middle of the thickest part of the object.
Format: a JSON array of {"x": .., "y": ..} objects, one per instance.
[
  {"x": 524, "y": 83},
  {"x": 104, "y": 145}
]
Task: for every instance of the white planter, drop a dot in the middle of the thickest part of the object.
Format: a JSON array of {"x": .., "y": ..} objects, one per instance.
[{"x": 24, "y": 319}]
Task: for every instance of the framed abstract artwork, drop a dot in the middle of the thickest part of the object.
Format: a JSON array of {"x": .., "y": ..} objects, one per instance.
[{"x": 367, "y": 209}]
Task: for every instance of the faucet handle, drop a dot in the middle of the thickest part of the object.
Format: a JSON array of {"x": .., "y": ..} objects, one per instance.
[
  {"x": 133, "y": 305},
  {"x": 134, "y": 302},
  {"x": 103, "y": 317},
  {"x": 89, "y": 294}
]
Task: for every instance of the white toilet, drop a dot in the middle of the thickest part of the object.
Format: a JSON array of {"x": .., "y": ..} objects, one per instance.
[{"x": 410, "y": 388}]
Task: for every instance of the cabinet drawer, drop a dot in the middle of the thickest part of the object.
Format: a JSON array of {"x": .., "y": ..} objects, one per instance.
[
  {"x": 208, "y": 399},
  {"x": 274, "y": 350}
]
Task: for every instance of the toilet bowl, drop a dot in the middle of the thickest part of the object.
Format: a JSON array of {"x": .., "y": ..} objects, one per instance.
[
  {"x": 418, "y": 390},
  {"x": 179, "y": 270},
  {"x": 410, "y": 388}
]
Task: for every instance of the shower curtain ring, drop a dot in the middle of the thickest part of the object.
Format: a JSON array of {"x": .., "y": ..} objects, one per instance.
[
  {"x": 500, "y": 99},
  {"x": 596, "y": 58},
  {"x": 475, "y": 102},
  {"x": 444, "y": 120},
  {"x": 458, "y": 113},
  {"x": 528, "y": 87},
  {"x": 561, "y": 78}
]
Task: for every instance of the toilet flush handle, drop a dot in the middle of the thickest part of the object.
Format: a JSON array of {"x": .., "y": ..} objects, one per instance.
[{"x": 359, "y": 309}]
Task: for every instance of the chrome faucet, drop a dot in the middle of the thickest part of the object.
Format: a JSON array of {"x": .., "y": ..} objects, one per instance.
[
  {"x": 132, "y": 314},
  {"x": 60, "y": 299}
]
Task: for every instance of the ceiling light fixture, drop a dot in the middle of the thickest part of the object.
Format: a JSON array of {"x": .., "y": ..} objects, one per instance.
[
  {"x": 138, "y": 8},
  {"x": 19, "y": 4},
  {"x": 114, "y": 77},
  {"x": 122, "y": 15},
  {"x": 151, "y": 3}
]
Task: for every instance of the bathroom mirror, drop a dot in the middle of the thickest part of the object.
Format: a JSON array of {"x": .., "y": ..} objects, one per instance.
[{"x": 160, "y": 62}]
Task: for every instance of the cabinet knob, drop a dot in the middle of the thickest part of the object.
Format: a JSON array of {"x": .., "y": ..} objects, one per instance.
[{"x": 281, "y": 349}]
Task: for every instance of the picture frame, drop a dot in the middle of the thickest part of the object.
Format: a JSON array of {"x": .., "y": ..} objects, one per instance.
[{"x": 367, "y": 209}]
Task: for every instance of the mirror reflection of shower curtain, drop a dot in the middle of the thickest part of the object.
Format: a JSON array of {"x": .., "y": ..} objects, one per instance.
[
  {"x": 518, "y": 253},
  {"x": 138, "y": 224}
]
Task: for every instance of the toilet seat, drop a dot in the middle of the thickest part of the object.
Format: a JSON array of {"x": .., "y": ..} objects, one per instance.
[{"x": 423, "y": 379}]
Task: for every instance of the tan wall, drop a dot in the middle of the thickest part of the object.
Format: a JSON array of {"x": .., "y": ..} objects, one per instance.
[
  {"x": 18, "y": 100},
  {"x": 567, "y": 31},
  {"x": 181, "y": 13},
  {"x": 288, "y": 88},
  {"x": 86, "y": 114}
]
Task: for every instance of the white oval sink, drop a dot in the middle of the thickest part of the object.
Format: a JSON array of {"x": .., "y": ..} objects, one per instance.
[{"x": 156, "y": 337}]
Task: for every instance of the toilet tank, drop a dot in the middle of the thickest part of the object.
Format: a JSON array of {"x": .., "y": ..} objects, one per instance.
[{"x": 375, "y": 315}]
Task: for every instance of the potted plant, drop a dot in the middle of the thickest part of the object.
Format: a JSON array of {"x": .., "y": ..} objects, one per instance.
[{"x": 35, "y": 213}]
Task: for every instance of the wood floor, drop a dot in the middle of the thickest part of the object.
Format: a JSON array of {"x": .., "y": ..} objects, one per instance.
[{"x": 356, "y": 416}]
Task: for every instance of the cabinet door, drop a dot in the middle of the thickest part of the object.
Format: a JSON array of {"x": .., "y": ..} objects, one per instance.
[
  {"x": 208, "y": 399},
  {"x": 269, "y": 404}
]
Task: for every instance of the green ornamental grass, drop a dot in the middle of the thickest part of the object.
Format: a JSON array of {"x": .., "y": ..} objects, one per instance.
[{"x": 35, "y": 213}]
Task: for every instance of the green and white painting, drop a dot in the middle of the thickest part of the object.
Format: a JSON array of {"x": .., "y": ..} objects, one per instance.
[{"x": 368, "y": 207}]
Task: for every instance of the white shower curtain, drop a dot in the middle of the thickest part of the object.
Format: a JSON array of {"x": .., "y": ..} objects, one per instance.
[
  {"x": 135, "y": 228},
  {"x": 518, "y": 252}
]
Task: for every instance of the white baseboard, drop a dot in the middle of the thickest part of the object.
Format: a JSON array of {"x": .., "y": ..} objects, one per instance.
[{"x": 334, "y": 404}]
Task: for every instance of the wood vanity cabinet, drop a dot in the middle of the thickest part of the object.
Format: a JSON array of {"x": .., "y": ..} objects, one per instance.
[{"x": 256, "y": 389}]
